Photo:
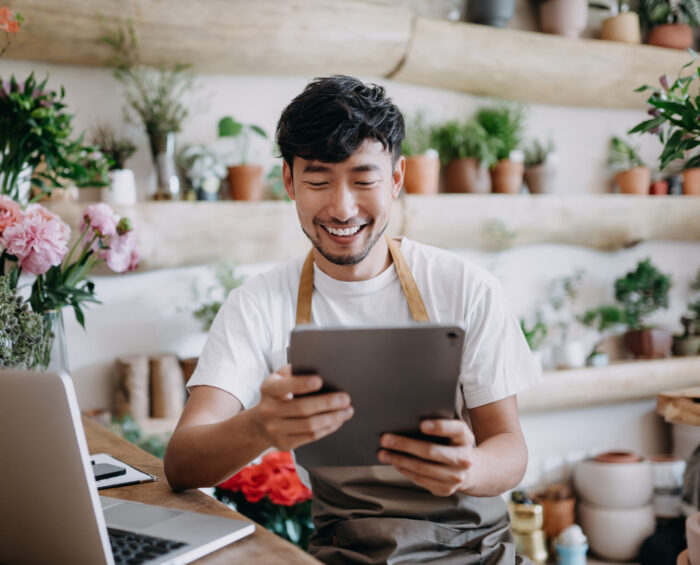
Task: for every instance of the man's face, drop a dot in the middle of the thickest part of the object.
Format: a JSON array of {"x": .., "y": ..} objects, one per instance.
[{"x": 344, "y": 207}]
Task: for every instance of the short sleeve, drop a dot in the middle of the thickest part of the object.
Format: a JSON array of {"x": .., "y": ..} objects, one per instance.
[
  {"x": 233, "y": 357},
  {"x": 497, "y": 362}
]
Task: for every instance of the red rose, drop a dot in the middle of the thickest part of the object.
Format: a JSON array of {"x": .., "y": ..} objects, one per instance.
[
  {"x": 232, "y": 483},
  {"x": 254, "y": 482},
  {"x": 287, "y": 490},
  {"x": 278, "y": 462}
]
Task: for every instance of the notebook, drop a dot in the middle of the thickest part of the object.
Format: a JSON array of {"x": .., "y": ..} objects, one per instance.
[{"x": 51, "y": 510}]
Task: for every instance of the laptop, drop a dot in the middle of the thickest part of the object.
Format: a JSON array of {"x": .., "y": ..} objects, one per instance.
[{"x": 50, "y": 510}]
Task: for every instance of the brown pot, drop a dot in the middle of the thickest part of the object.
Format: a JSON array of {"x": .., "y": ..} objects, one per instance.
[
  {"x": 246, "y": 182},
  {"x": 564, "y": 17},
  {"x": 558, "y": 515},
  {"x": 541, "y": 179},
  {"x": 422, "y": 174},
  {"x": 623, "y": 27},
  {"x": 634, "y": 181},
  {"x": 617, "y": 457},
  {"x": 691, "y": 181},
  {"x": 507, "y": 177},
  {"x": 659, "y": 187},
  {"x": 467, "y": 176},
  {"x": 673, "y": 36},
  {"x": 652, "y": 343}
]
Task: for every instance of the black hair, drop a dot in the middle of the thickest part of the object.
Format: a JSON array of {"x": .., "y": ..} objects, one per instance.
[{"x": 334, "y": 116}]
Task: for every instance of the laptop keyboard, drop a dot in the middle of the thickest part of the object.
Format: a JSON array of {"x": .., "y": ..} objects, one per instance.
[{"x": 131, "y": 549}]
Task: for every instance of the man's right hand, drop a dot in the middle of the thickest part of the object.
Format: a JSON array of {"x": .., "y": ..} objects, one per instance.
[{"x": 287, "y": 419}]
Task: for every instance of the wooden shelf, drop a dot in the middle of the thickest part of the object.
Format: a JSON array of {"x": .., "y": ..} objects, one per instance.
[
  {"x": 173, "y": 234},
  {"x": 618, "y": 382},
  {"x": 319, "y": 37}
]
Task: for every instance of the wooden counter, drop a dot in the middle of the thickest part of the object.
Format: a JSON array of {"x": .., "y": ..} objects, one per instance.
[{"x": 261, "y": 547}]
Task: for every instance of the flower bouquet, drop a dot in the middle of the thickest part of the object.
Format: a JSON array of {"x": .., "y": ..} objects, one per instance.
[{"x": 272, "y": 494}]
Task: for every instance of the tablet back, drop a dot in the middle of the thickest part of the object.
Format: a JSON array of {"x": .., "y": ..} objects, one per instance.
[{"x": 396, "y": 376}]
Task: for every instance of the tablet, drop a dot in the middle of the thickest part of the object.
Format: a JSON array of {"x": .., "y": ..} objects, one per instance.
[{"x": 396, "y": 376}]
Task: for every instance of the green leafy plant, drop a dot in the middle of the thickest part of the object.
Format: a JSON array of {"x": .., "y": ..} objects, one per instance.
[
  {"x": 274, "y": 178},
  {"x": 623, "y": 156},
  {"x": 691, "y": 323},
  {"x": 674, "y": 114},
  {"x": 615, "y": 7},
  {"x": 537, "y": 152},
  {"x": 505, "y": 126},
  {"x": 210, "y": 301},
  {"x": 454, "y": 140},
  {"x": 129, "y": 429},
  {"x": 241, "y": 134},
  {"x": 200, "y": 163},
  {"x": 536, "y": 334},
  {"x": 657, "y": 12},
  {"x": 641, "y": 293},
  {"x": 419, "y": 136},
  {"x": 602, "y": 319},
  {"x": 117, "y": 148}
]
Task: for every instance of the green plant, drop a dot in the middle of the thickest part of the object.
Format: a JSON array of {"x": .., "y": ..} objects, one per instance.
[
  {"x": 240, "y": 133},
  {"x": 274, "y": 178},
  {"x": 118, "y": 149},
  {"x": 642, "y": 292},
  {"x": 455, "y": 140},
  {"x": 537, "y": 152},
  {"x": 691, "y": 323},
  {"x": 674, "y": 117},
  {"x": 602, "y": 319},
  {"x": 200, "y": 163},
  {"x": 419, "y": 136},
  {"x": 535, "y": 334},
  {"x": 129, "y": 429},
  {"x": 623, "y": 156},
  {"x": 504, "y": 125},
  {"x": 615, "y": 7},
  {"x": 563, "y": 293},
  {"x": 657, "y": 12},
  {"x": 213, "y": 297}
]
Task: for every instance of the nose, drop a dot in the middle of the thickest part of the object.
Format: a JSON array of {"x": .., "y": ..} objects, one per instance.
[{"x": 343, "y": 205}]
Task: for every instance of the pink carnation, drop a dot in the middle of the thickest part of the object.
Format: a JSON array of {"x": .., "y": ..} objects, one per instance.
[
  {"x": 10, "y": 212},
  {"x": 37, "y": 242},
  {"x": 100, "y": 218}
]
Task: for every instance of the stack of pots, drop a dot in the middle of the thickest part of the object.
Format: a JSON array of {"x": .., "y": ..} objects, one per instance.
[
  {"x": 691, "y": 556},
  {"x": 615, "y": 510},
  {"x": 667, "y": 472}
]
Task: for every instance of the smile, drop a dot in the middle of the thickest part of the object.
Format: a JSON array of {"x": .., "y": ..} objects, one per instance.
[{"x": 343, "y": 231}]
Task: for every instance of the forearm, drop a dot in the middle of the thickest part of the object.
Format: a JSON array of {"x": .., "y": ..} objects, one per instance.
[
  {"x": 498, "y": 465},
  {"x": 203, "y": 455}
]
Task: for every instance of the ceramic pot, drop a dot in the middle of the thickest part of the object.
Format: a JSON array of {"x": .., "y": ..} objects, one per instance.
[
  {"x": 541, "y": 179},
  {"x": 691, "y": 181},
  {"x": 572, "y": 555},
  {"x": 623, "y": 28},
  {"x": 613, "y": 484},
  {"x": 616, "y": 534},
  {"x": 659, "y": 188},
  {"x": 686, "y": 346},
  {"x": 495, "y": 13},
  {"x": 564, "y": 17},
  {"x": 634, "y": 181},
  {"x": 422, "y": 174},
  {"x": 692, "y": 534},
  {"x": 673, "y": 36},
  {"x": 558, "y": 515},
  {"x": 507, "y": 177},
  {"x": 467, "y": 175},
  {"x": 245, "y": 182},
  {"x": 667, "y": 474},
  {"x": 651, "y": 343},
  {"x": 569, "y": 355},
  {"x": 122, "y": 189}
]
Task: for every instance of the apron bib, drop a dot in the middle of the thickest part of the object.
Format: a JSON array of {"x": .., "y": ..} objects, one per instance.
[{"x": 372, "y": 515}]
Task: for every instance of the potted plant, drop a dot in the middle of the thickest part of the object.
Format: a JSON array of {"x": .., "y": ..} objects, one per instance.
[
  {"x": 674, "y": 112},
  {"x": 602, "y": 319},
  {"x": 641, "y": 293},
  {"x": 122, "y": 188},
  {"x": 505, "y": 126},
  {"x": 204, "y": 169},
  {"x": 495, "y": 13},
  {"x": 623, "y": 23},
  {"x": 540, "y": 167},
  {"x": 631, "y": 174},
  {"x": 659, "y": 184},
  {"x": 467, "y": 153},
  {"x": 567, "y": 353},
  {"x": 245, "y": 179},
  {"x": 422, "y": 160},
  {"x": 669, "y": 23},
  {"x": 689, "y": 342},
  {"x": 563, "y": 17},
  {"x": 535, "y": 336}
]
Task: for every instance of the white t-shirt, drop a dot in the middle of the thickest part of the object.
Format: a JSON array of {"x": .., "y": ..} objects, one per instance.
[{"x": 249, "y": 337}]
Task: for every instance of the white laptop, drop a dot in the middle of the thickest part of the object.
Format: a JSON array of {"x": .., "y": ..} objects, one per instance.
[{"x": 50, "y": 510}]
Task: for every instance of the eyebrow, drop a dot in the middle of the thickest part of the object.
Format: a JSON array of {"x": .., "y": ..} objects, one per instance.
[{"x": 318, "y": 168}]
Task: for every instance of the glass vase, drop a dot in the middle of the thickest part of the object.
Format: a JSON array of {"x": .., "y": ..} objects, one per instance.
[
  {"x": 53, "y": 355},
  {"x": 163, "y": 152}
]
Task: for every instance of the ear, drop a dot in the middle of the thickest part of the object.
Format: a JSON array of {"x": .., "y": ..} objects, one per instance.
[
  {"x": 397, "y": 176},
  {"x": 287, "y": 180}
]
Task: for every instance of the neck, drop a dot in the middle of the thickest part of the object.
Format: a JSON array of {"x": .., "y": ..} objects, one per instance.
[{"x": 376, "y": 262}]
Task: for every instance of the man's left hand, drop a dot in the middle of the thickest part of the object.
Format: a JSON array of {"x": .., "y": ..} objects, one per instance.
[{"x": 442, "y": 469}]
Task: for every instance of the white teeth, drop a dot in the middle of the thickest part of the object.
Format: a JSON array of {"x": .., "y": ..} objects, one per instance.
[{"x": 346, "y": 231}]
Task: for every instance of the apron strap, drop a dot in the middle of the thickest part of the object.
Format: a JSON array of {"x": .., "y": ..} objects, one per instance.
[{"x": 408, "y": 284}]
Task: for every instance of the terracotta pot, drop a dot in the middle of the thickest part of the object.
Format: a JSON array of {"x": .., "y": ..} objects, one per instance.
[
  {"x": 652, "y": 343},
  {"x": 634, "y": 181},
  {"x": 673, "y": 36},
  {"x": 686, "y": 346},
  {"x": 422, "y": 174},
  {"x": 467, "y": 175},
  {"x": 564, "y": 17},
  {"x": 617, "y": 457},
  {"x": 246, "y": 182},
  {"x": 659, "y": 187},
  {"x": 507, "y": 177},
  {"x": 541, "y": 179},
  {"x": 691, "y": 181},
  {"x": 558, "y": 515},
  {"x": 623, "y": 27}
]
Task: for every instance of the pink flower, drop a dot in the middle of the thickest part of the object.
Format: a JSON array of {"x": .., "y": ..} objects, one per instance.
[
  {"x": 135, "y": 259},
  {"x": 37, "y": 242},
  {"x": 119, "y": 253},
  {"x": 39, "y": 210},
  {"x": 100, "y": 218},
  {"x": 10, "y": 212}
]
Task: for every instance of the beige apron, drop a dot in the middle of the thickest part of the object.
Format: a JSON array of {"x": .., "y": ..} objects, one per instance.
[{"x": 368, "y": 515}]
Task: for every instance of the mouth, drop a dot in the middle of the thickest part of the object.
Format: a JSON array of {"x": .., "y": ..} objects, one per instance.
[{"x": 343, "y": 234}]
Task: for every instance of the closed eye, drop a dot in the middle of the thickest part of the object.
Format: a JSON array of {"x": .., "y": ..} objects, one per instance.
[{"x": 316, "y": 184}]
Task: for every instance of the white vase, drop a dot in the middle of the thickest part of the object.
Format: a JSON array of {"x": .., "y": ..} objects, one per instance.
[
  {"x": 569, "y": 355},
  {"x": 122, "y": 190}
]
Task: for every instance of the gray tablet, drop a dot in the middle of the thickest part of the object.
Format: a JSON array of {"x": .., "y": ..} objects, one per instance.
[{"x": 396, "y": 377}]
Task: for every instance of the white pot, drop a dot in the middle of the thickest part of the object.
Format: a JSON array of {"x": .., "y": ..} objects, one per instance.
[
  {"x": 616, "y": 534},
  {"x": 569, "y": 355},
  {"x": 614, "y": 485},
  {"x": 123, "y": 188}
]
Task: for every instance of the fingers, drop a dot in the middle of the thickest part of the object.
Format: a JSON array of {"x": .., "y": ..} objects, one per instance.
[
  {"x": 283, "y": 386},
  {"x": 456, "y": 430},
  {"x": 439, "y": 487},
  {"x": 448, "y": 455}
]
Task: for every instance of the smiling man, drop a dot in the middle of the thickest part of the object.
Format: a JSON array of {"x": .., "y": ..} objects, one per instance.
[{"x": 422, "y": 502}]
